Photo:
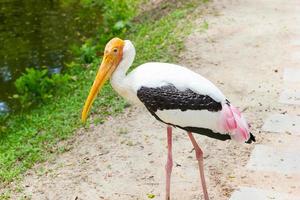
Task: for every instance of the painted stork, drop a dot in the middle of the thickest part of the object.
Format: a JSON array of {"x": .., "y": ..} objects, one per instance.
[{"x": 174, "y": 95}]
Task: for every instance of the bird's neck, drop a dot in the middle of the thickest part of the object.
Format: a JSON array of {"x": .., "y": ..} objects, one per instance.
[
  {"x": 120, "y": 73},
  {"x": 118, "y": 79}
]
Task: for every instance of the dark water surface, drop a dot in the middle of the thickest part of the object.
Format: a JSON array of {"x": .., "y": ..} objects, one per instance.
[{"x": 37, "y": 33}]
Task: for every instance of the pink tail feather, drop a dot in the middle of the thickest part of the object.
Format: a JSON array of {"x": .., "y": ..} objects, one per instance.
[{"x": 233, "y": 122}]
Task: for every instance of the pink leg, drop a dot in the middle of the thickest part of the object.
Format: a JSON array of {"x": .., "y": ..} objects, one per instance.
[
  {"x": 199, "y": 156},
  {"x": 169, "y": 164}
]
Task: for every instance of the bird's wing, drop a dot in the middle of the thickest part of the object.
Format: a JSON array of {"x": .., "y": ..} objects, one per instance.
[
  {"x": 168, "y": 97},
  {"x": 184, "y": 109},
  {"x": 180, "y": 97}
]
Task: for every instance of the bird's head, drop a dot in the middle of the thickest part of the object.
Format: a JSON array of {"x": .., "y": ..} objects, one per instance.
[{"x": 112, "y": 57}]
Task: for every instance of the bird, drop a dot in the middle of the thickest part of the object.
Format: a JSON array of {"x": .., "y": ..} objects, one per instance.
[{"x": 175, "y": 96}]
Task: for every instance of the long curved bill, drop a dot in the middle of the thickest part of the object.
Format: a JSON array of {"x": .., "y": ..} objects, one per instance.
[{"x": 105, "y": 70}]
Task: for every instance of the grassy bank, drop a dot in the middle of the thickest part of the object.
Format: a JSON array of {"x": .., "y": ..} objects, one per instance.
[{"x": 32, "y": 136}]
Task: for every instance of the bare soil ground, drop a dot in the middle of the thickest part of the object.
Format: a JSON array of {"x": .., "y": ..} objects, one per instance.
[{"x": 243, "y": 52}]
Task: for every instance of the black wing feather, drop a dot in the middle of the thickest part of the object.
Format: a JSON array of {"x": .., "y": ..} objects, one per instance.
[{"x": 169, "y": 97}]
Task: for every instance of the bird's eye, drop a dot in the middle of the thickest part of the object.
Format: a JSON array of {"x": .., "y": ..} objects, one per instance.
[{"x": 115, "y": 50}]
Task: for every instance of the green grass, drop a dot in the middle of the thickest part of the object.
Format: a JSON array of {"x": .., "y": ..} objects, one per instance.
[{"x": 31, "y": 137}]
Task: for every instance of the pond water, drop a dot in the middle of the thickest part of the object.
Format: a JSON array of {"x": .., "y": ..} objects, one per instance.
[{"x": 37, "y": 33}]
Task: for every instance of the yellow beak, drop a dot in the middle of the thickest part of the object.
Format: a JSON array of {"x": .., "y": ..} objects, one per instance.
[{"x": 105, "y": 70}]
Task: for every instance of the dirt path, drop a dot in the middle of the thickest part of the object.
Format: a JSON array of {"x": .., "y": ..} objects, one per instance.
[{"x": 243, "y": 52}]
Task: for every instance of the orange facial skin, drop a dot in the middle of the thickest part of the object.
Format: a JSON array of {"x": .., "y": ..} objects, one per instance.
[{"x": 113, "y": 54}]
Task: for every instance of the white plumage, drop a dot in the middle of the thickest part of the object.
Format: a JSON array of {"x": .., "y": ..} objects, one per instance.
[
  {"x": 156, "y": 74},
  {"x": 192, "y": 118}
]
